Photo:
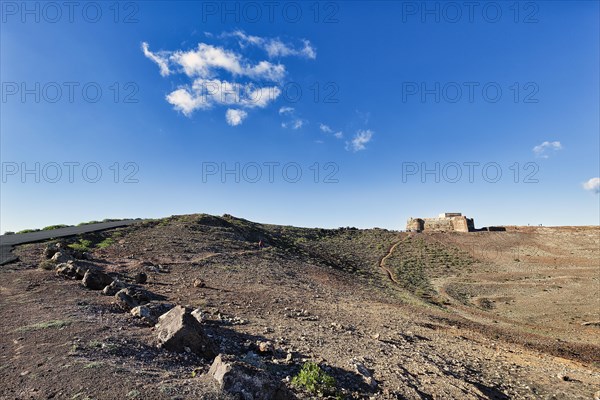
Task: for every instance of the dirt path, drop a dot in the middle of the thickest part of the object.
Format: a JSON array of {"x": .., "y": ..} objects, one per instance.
[{"x": 385, "y": 269}]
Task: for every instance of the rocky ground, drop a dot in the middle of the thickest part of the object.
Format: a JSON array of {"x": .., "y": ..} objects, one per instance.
[{"x": 195, "y": 309}]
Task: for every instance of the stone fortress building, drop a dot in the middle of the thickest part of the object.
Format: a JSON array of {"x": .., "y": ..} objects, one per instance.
[{"x": 445, "y": 222}]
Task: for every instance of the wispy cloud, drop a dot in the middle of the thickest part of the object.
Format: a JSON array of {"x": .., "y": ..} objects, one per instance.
[
  {"x": 292, "y": 120},
  {"x": 326, "y": 129},
  {"x": 275, "y": 47},
  {"x": 286, "y": 110},
  {"x": 360, "y": 140},
  {"x": 593, "y": 185},
  {"x": 207, "y": 61},
  {"x": 543, "y": 149},
  {"x": 162, "y": 60},
  {"x": 235, "y": 117}
]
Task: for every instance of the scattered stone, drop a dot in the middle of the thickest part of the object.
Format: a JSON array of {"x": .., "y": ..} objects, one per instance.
[
  {"x": 113, "y": 288},
  {"x": 200, "y": 315},
  {"x": 51, "y": 249},
  {"x": 289, "y": 357},
  {"x": 248, "y": 382},
  {"x": 265, "y": 347},
  {"x": 360, "y": 368},
  {"x": 178, "y": 329},
  {"x": 70, "y": 271},
  {"x": 141, "y": 277},
  {"x": 125, "y": 299},
  {"x": 61, "y": 257},
  {"x": 199, "y": 283},
  {"x": 96, "y": 280},
  {"x": 141, "y": 312},
  {"x": 565, "y": 378},
  {"x": 591, "y": 323}
]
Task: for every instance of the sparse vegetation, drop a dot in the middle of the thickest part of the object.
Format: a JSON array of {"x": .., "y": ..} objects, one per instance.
[
  {"x": 56, "y": 324},
  {"x": 105, "y": 243},
  {"x": 93, "y": 364},
  {"x": 82, "y": 245},
  {"x": 314, "y": 380},
  {"x": 47, "y": 265}
]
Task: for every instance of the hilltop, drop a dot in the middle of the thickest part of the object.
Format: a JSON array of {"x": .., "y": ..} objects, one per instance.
[{"x": 386, "y": 314}]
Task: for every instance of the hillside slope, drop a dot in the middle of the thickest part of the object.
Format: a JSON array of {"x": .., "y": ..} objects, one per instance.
[{"x": 387, "y": 314}]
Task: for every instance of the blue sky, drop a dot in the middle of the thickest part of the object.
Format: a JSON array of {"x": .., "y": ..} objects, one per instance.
[{"x": 361, "y": 98}]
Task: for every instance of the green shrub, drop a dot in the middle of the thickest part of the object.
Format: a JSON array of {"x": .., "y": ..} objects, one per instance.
[
  {"x": 105, "y": 243},
  {"x": 28, "y": 231},
  {"x": 314, "y": 380},
  {"x": 52, "y": 227},
  {"x": 83, "y": 245}
]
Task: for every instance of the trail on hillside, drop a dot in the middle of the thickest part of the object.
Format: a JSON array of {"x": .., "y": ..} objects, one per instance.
[{"x": 385, "y": 269}]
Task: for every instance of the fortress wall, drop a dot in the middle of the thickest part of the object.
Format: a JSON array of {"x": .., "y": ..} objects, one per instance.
[{"x": 441, "y": 224}]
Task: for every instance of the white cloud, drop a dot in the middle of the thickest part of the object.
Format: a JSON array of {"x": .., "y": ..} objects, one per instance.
[
  {"x": 159, "y": 58},
  {"x": 541, "y": 150},
  {"x": 327, "y": 129},
  {"x": 207, "y": 60},
  {"x": 360, "y": 140},
  {"x": 235, "y": 117},
  {"x": 293, "y": 124},
  {"x": 275, "y": 47},
  {"x": 206, "y": 93},
  {"x": 286, "y": 110},
  {"x": 593, "y": 185},
  {"x": 292, "y": 120},
  {"x": 225, "y": 77}
]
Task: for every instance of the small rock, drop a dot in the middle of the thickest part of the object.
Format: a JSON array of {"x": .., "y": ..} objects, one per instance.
[
  {"x": 289, "y": 357},
  {"x": 265, "y": 347},
  {"x": 125, "y": 299},
  {"x": 565, "y": 378},
  {"x": 70, "y": 271},
  {"x": 51, "y": 249},
  {"x": 199, "y": 283},
  {"x": 597, "y": 395},
  {"x": 96, "y": 280},
  {"x": 365, "y": 373},
  {"x": 178, "y": 329},
  {"x": 61, "y": 257},
  {"x": 113, "y": 288},
  {"x": 246, "y": 381},
  {"x": 141, "y": 277},
  {"x": 200, "y": 315},
  {"x": 141, "y": 312}
]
